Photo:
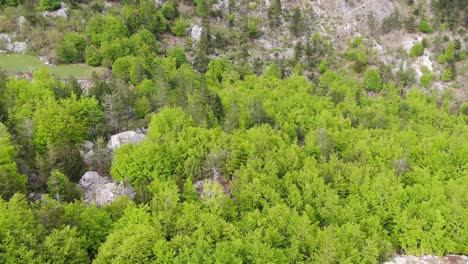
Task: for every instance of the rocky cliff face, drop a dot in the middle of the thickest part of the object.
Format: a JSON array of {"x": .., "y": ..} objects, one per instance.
[{"x": 101, "y": 190}]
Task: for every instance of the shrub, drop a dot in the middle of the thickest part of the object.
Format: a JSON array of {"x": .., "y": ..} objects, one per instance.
[
  {"x": 67, "y": 52},
  {"x": 410, "y": 24},
  {"x": 93, "y": 56},
  {"x": 169, "y": 10},
  {"x": 425, "y": 43},
  {"x": 111, "y": 51},
  {"x": 180, "y": 27},
  {"x": 417, "y": 50},
  {"x": 322, "y": 68},
  {"x": 273, "y": 71},
  {"x": 71, "y": 48},
  {"x": 463, "y": 55},
  {"x": 121, "y": 67},
  {"x": 441, "y": 58},
  {"x": 443, "y": 27},
  {"x": 178, "y": 54},
  {"x": 391, "y": 22},
  {"x": 49, "y": 4},
  {"x": 447, "y": 75},
  {"x": 450, "y": 52},
  {"x": 425, "y": 27},
  {"x": 372, "y": 80},
  {"x": 142, "y": 107},
  {"x": 426, "y": 78},
  {"x": 252, "y": 29},
  {"x": 464, "y": 109}
]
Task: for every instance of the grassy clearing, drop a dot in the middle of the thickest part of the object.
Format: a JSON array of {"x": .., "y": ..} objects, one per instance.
[{"x": 22, "y": 63}]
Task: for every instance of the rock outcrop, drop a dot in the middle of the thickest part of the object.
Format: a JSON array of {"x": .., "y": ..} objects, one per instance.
[
  {"x": 61, "y": 12},
  {"x": 12, "y": 46},
  {"x": 450, "y": 259},
  {"x": 116, "y": 141},
  {"x": 196, "y": 32},
  {"x": 101, "y": 190}
]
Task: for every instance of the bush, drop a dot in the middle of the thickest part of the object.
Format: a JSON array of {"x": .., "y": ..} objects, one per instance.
[
  {"x": 425, "y": 27},
  {"x": 71, "y": 48},
  {"x": 111, "y": 51},
  {"x": 121, "y": 67},
  {"x": 169, "y": 10},
  {"x": 322, "y": 68},
  {"x": 447, "y": 75},
  {"x": 142, "y": 107},
  {"x": 180, "y": 27},
  {"x": 67, "y": 52},
  {"x": 417, "y": 50},
  {"x": 391, "y": 22},
  {"x": 426, "y": 78},
  {"x": 410, "y": 24},
  {"x": 464, "y": 109},
  {"x": 49, "y": 4},
  {"x": 372, "y": 80},
  {"x": 252, "y": 29},
  {"x": 178, "y": 54},
  {"x": 425, "y": 43},
  {"x": 442, "y": 58},
  {"x": 93, "y": 56},
  {"x": 450, "y": 52}
]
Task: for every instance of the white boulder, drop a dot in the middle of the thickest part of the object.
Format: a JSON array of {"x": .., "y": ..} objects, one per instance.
[
  {"x": 408, "y": 259},
  {"x": 103, "y": 190},
  {"x": 196, "y": 32},
  {"x": 126, "y": 137},
  {"x": 61, "y": 12}
]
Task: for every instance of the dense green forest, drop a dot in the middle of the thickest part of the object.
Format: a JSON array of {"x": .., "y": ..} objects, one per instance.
[{"x": 329, "y": 157}]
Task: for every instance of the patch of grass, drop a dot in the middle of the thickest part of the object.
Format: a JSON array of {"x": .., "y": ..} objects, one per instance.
[{"x": 22, "y": 63}]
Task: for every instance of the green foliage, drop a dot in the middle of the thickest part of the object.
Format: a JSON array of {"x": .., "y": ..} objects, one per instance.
[
  {"x": 109, "y": 28},
  {"x": 426, "y": 78},
  {"x": 417, "y": 50},
  {"x": 464, "y": 109},
  {"x": 372, "y": 80},
  {"x": 297, "y": 23},
  {"x": 159, "y": 23},
  {"x": 391, "y": 22},
  {"x": 71, "y": 49},
  {"x": 203, "y": 8},
  {"x": 142, "y": 107},
  {"x": 323, "y": 66},
  {"x": 218, "y": 70},
  {"x": 180, "y": 27},
  {"x": 12, "y": 3},
  {"x": 411, "y": 25},
  {"x": 60, "y": 187},
  {"x": 49, "y": 4},
  {"x": 252, "y": 29},
  {"x": 65, "y": 121},
  {"x": 65, "y": 246},
  {"x": 425, "y": 27},
  {"x": 10, "y": 180},
  {"x": 121, "y": 67},
  {"x": 447, "y": 75},
  {"x": 449, "y": 54},
  {"x": 273, "y": 72},
  {"x": 169, "y": 10},
  {"x": 93, "y": 56},
  {"x": 178, "y": 54},
  {"x": 274, "y": 13},
  {"x": 20, "y": 231},
  {"x": 235, "y": 167}
]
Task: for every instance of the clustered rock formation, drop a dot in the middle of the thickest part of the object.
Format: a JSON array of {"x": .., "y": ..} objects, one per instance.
[{"x": 102, "y": 190}]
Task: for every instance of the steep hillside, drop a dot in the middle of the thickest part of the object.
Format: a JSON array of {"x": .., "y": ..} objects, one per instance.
[{"x": 233, "y": 131}]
